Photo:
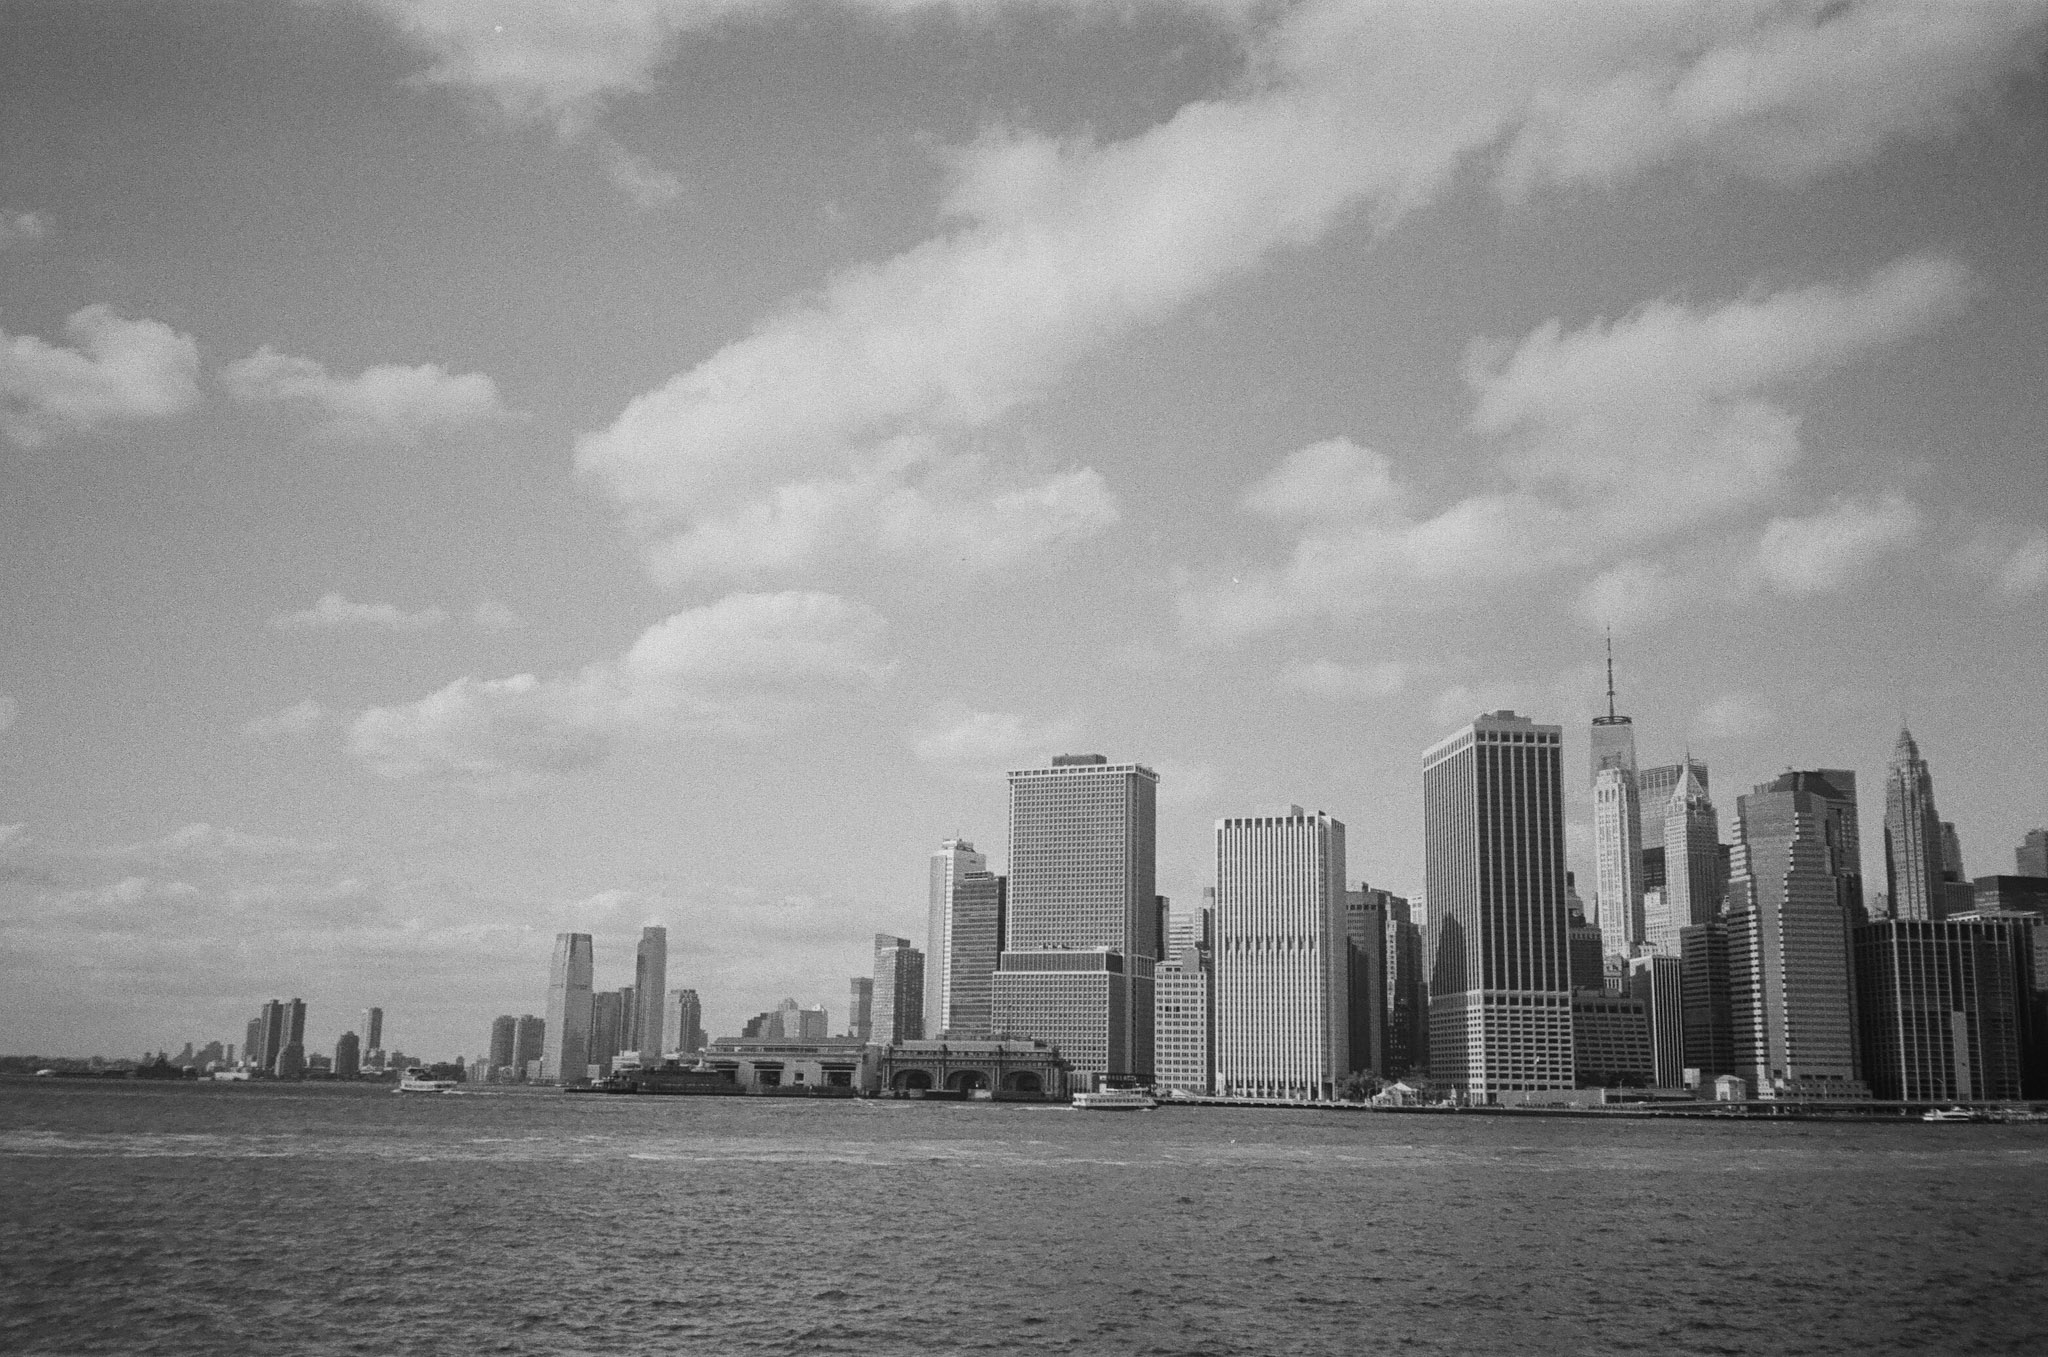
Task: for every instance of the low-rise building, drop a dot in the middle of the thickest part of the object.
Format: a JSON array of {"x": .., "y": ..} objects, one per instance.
[
  {"x": 1611, "y": 1040},
  {"x": 1007, "y": 1069}
]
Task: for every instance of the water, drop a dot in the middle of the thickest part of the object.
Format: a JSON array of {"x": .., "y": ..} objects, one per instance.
[{"x": 142, "y": 1218}]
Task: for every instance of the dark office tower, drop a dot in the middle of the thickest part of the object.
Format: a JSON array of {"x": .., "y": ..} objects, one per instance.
[
  {"x": 1500, "y": 1001},
  {"x": 1081, "y": 920},
  {"x": 566, "y": 1056},
  {"x": 898, "y": 1013},
  {"x": 1788, "y": 937},
  {"x": 290, "y": 1060},
  {"x": 860, "y": 1008},
  {"x": 682, "y": 1024},
  {"x": 270, "y": 1036},
  {"x": 974, "y": 942},
  {"x": 1693, "y": 884},
  {"x": 1588, "y": 955},
  {"x": 1912, "y": 835},
  {"x": 2031, "y": 857},
  {"x": 252, "y": 1042},
  {"x": 348, "y": 1056},
  {"x": 1657, "y": 981},
  {"x": 1704, "y": 994},
  {"x": 1957, "y": 895},
  {"x": 529, "y": 1044},
  {"x": 372, "y": 1031},
  {"x": 504, "y": 1047},
  {"x": 1942, "y": 1007},
  {"x": 607, "y": 1029},
  {"x": 1407, "y": 997},
  {"x": 1365, "y": 955},
  {"x": 650, "y": 994}
]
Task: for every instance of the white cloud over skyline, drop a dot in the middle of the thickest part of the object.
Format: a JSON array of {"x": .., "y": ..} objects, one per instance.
[
  {"x": 386, "y": 403},
  {"x": 118, "y": 371}
]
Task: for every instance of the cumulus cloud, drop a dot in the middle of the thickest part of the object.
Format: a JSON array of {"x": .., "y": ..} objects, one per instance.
[
  {"x": 387, "y": 403},
  {"x": 298, "y": 719},
  {"x": 23, "y": 228},
  {"x": 1612, "y": 437},
  {"x": 1828, "y": 550},
  {"x": 990, "y": 739},
  {"x": 727, "y": 666},
  {"x": 117, "y": 371},
  {"x": 335, "y": 612},
  {"x": 1330, "y": 678}
]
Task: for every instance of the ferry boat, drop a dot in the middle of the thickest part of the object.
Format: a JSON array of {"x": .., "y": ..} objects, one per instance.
[
  {"x": 1951, "y": 1114},
  {"x": 1115, "y": 1100},
  {"x": 416, "y": 1081}
]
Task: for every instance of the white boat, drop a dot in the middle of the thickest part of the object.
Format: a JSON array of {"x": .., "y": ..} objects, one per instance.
[
  {"x": 416, "y": 1081},
  {"x": 1115, "y": 1100},
  {"x": 1949, "y": 1114}
]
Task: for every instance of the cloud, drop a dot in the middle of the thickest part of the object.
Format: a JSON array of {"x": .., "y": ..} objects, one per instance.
[
  {"x": 1733, "y": 716},
  {"x": 387, "y": 403},
  {"x": 991, "y": 739},
  {"x": 728, "y": 666},
  {"x": 298, "y": 719},
  {"x": 1828, "y": 550},
  {"x": 118, "y": 371},
  {"x": 491, "y": 615},
  {"x": 1610, "y": 439},
  {"x": 206, "y": 843},
  {"x": 336, "y": 613},
  {"x": 2021, "y": 575},
  {"x": 23, "y": 228},
  {"x": 1329, "y": 678}
]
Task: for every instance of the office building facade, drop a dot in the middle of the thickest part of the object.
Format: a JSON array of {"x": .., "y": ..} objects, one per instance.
[
  {"x": 953, "y": 862},
  {"x": 1500, "y": 974},
  {"x": 1912, "y": 836},
  {"x": 1694, "y": 887},
  {"x": 566, "y": 1050},
  {"x": 1707, "y": 999},
  {"x": 371, "y": 1032},
  {"x": 529, "y": 1045},
  {"x": 1366, "y": 921},
  {"x": 1184, "y": 1023},
  {"x": 1610, "y": 1041},
  {"x": 1942, "y": 1007},
  {"x": 503, "y": 1050},
  {"x": 860, "y": 1007},
  {"x": 1657, "y": 981},
  {"x": 1618, "y": 860},
  {"x": 2031, "y": 857},
  {"x": 646, "y": 1025},
  {"x": 974, "y": 947},
  {"x": 898, "y": 1006}
]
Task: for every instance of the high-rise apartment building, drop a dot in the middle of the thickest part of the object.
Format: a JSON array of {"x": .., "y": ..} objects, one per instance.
[
  {"x": 898, "y": 1013},
  {"x": 1788, "y": 937},
  {"x": 1184, "y": 1022},
  {"x": 1082, "y": 914},
  {"x": 952, "y": 863},
  {"x": 1658, "y": 982},
  {"x": 1942, "y": 1008},
  {"x": 860, "y": 1007},
  {"x": 682, "y": 1023},
  {"x": 1912, "y": 835},
  {"x": 1500, "y": 997},
  {"x": 372, "y": 1029},
  {"x": 2031, "y": 857},
  {"x": 1705, "y": 996},
  {"x": 647, "y": 1028},
  {"x": 974, "y": 946},
  {"x": 529, "y": 1045},
  {"x": 1283, "y": 1017},
  {"x": 566, "y": 1052},
  {"x": 1693, "y": 886},
  {"x": 504, "y": 1047}
]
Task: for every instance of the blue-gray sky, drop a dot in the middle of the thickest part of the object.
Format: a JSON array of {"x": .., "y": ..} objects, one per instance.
[{"x": 472, "y": 470}]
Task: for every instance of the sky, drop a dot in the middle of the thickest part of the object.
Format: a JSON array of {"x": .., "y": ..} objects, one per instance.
[{"x": 470, "y": 471}]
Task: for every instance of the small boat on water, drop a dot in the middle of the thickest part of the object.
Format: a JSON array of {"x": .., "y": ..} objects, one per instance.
[
  {"x": 1115, "y": 1100},
  {"x": 1952, "y": 1114},
  {"x": 415, "y": 1080}
]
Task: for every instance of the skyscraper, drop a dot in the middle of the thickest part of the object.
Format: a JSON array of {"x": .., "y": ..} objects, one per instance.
[
  {"x": 566, "y": 1052},
  {"x": 1184, "y": 1021},
  {"x": 1283, "y": 1017},
  {"x": 607, "y": 1029},
  {"x": 1788, "y": 937},
  {"x": 899, "y": 991},
  {"x": 1614, "y": 737},
  {"x": 860, "y": 1007},
  {"x": 290, "y": 1060},
  {"x": 1366, "y": 921},
  {"x": 348, "y": 1056},
  {"x": 950, "y": 864},
  {"x": 974, "y": 945},
  {"x": 529, "y": 1045},
  {"x": 1941, "y": 1008},
  {"x": 1693, "y": 888},
  {"x": 646, "y": 1031},
  {"x": 682, "y": 1023},
  {"x": 1705, "y": 995},
  {"x": 1407, "y": 994},
  {"x": 1617, "y": 861},
  {"x": 2031, "y": 857},
  {"x": 269, "y": 1038},
  {"x": 1912, "y": 835},
  {"x": 1658, "y": 981},
  {"x": 372, "y": 1031},
  {"x": 1082, "y": 914},
  {"x": 1500, "y": 998},
  {"x": 1653, "y": 797},
  {"x": 504, "y": 1047}
]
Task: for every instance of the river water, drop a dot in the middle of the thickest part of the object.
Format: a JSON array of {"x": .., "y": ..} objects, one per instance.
[{"x": 140, "y": 1218}]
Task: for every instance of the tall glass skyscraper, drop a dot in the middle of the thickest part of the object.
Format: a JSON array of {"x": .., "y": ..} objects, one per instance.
[
  {"x": 1083, "y": 913},
  {"x": 650, "y": 995},
  {"x": 1617, "y": 828},
  {"x": 1500, "y": 1002},
  {"x": 954, "y": 860},
  {"x": 1912, "y": 835},
  {"x": 1693, "y": 888},
  {"x": 565, "y": 1048},
  {"x": 898, "y": 1004},
  {"x": 1283, "y": 1015},
  {"x": 975, "y": 913}
]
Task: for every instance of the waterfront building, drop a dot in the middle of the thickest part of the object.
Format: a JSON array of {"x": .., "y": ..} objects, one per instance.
[
  {"x": 682, "y": 1023},
  {"x": 266, "y": 1036},
  {"x": 807, "y": 1024},
  {"x": 529, "y": 1040},
  {"x": 1658, "y": 982},
  {"x": 898, "y": 1013},
  {"x": 2031, "y": 857},
  {"x": 2010, "y": 894},
  {"x": 290, "y": 1060},
  {"x": 1610, "y": 1042},
  {"x": 372, "y": 1029},
  {"x": 566, "y": 1052},
  {"x": 860, "y": 1007},
  {"x": 348, "y": 1052},
  {"x": 974, "y": 946},
  {"x": 786, "y": 1065},
  {"x": 1184, "y": 1022},
  {"x": 504, "y": 1045},
  {"x": 1500, "y": 1019},
  {"x": 1704, "y": 994},
  {"x": 954, "y": 860},
  {"x": 1365, "y": 976},
  {"x": 1943, "y": 1008},
  {"x": 1081, "y": 916},
  {"x": 607, "y": 1030},
  {"x": 1791, "y": 1000},
  {"x": 1694, "y": 887},
  {"x": 1588, "y": 954},
  {"x": 1283, "y": 1019},
  {"x": 646, "y": 1026},
  {"x": 1912, "y": 836},
  {"x": 1006, "y": 1069}
]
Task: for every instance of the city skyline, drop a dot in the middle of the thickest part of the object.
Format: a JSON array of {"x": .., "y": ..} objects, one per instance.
[{"x": 459, "y": 480}]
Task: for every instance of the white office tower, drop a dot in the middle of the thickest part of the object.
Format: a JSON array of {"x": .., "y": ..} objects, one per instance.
[
  {"x": 897, "y": 1003},
  {"x": 1282, "y": 1004},
  {"x": 1082, "y": 915},
  {"x": 1184, "y": 1021},
  {"x": 953, "y": 861},
  {"x": 1617, "y": 862},
  {"x": 1693, "y": 888},
  {"x": 650, "y": 996},
  {"x": 1500, "y": 999},
  {"x": 565, "y": 1052}
]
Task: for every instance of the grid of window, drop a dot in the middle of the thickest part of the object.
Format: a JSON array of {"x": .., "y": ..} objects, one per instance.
[{"x": 1282, "y": 1023}]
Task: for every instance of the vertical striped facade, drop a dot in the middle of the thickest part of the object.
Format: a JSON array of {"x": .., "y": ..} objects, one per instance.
[
  {"x": 566, "y": 1047},
  {"x": 1617, "y": 860},
  {"x": 1942, "y": 1007},
  {"x": 1500, "y": 1001},
  {"x": 1282, "y": 1010}
]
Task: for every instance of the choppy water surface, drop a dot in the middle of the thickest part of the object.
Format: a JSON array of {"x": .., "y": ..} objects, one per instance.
[{"x": 225, "y": 1219}]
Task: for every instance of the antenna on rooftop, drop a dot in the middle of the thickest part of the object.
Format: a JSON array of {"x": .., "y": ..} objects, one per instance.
[{"x": 1610, "y": 673}]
